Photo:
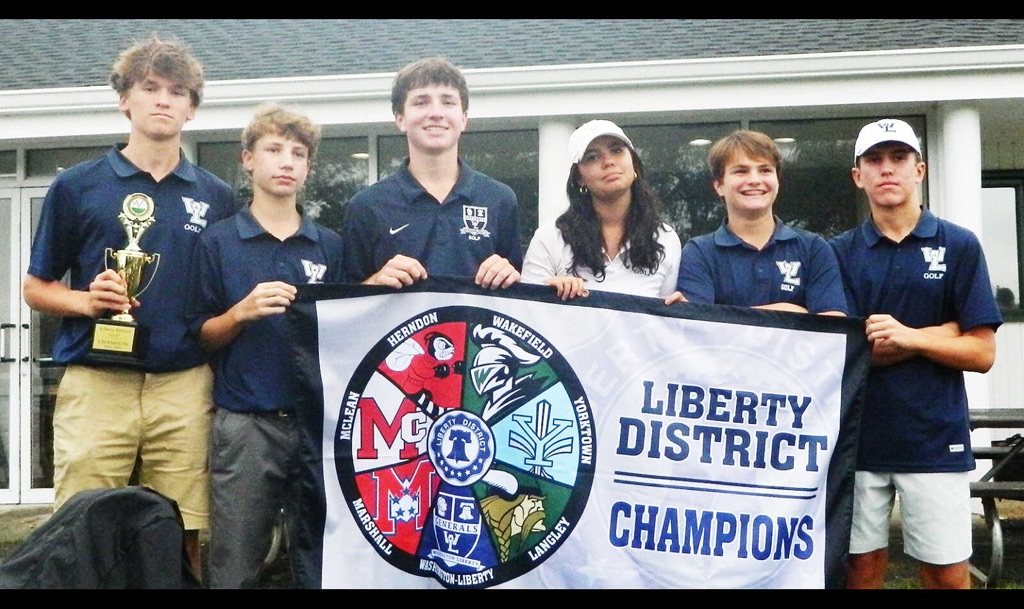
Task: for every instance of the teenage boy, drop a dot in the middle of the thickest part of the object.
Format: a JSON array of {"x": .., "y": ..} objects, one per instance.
[
  {"x": 435, "y": 213},
  {"x": 754, "y": 259},
  {"x": 107, "y": 414},
  {"x": 244, "y": 277},
  {"x": 923, "y": 286}
]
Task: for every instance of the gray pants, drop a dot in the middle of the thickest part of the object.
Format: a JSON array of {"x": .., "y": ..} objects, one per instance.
[{"x": 255, "y": 469}]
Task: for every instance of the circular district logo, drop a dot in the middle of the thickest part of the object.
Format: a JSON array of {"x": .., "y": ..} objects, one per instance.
[{"x": 471, "y": 454}]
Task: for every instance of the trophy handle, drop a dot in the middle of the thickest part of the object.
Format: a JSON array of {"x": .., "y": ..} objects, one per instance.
[
  {"x": 108, "y": 254},
  {"x": 153, "y": 259}
]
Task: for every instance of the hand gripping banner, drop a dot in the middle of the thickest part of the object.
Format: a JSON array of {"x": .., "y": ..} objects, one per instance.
[{"x": 459, "y": 437}]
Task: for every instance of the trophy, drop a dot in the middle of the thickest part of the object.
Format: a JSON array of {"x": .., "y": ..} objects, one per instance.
[{"x": 119, "y": 339}]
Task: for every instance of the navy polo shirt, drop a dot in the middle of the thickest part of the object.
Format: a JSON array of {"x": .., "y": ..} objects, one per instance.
[
  {"x": 255, "y": 372},
  {"x": 79, "y": 221},
  {"x": 795, "y": 266},
  {"x": 915, "y": 416},
  {"x": 478, "y": 218}
]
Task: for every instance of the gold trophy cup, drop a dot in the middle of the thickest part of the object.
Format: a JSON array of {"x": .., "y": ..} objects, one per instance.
[{"x": 120, "y": 339}]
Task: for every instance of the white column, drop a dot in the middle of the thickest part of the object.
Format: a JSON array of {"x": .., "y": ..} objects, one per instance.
[
  {"x": 960, "y": 195},
  {"x": 554, "y": 168},
  {"x": 958, "y": 199},
  {"x": 959, "y": 165}
]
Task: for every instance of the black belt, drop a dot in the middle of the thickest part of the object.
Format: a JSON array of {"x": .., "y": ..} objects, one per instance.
[{"x": 278, "y": 414}]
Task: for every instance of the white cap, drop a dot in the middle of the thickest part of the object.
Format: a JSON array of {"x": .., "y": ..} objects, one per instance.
[
  {"x": 590, "y": 131},
  {"x": 885, "y": 130}
]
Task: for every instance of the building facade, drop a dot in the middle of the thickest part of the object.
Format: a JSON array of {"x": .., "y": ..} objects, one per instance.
[{"x": 673, "y": 85}]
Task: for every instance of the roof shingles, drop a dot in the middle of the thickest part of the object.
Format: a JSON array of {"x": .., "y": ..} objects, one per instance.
[{"x": 79, "y": 52}]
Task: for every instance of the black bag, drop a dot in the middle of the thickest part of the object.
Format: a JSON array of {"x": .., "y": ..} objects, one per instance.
[
  {"x": 1014, "y": 470},
  {"x": 130, "y": 537}
]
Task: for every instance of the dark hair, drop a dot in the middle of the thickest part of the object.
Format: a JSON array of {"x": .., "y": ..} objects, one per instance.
[
  {"x": 917, "y": 155},
  {"x": 582, "y": 231},
  {"x": 425, "y": 72}
]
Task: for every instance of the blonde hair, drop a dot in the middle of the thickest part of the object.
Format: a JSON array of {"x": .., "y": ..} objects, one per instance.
[{"x": 272, "y": 118}]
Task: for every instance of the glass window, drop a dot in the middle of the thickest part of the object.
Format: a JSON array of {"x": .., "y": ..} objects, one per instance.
[
  {"x": 8, "y": 162},
  {"x": 391, "y": 151},
  {"x": 339, "y": 170},
  {"x": 507, "y": 156},
  {"x": 1002, "y": 204},
  {"x": 43, "y": 162},
  {"x": 675, "y": 159},
  {"x": 816, "y": 191},
  {"x": 222, "y": 159}
]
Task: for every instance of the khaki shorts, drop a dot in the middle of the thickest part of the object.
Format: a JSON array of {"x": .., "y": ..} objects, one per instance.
[
  {"x": 104, "y": 417},
  {"x": 935, "y": 514}
]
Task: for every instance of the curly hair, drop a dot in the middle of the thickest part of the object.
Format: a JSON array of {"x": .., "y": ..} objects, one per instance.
[
  {"x": 171, "y": 59},
  {"x": 269, "y": 117},
  {"x": 581, "y": 228}
]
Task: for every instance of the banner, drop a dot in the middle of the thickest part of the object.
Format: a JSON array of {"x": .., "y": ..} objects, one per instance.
[{"x": 468, "y": 438}]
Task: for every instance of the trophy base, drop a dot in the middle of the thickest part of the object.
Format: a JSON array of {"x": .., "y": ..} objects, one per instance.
[{"x": 118, "y": 342}]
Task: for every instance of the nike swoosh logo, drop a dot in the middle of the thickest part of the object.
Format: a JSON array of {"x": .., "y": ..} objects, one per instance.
[{"x": 395, "y": 231}]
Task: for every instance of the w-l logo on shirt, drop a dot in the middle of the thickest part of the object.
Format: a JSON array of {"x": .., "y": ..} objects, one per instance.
[
  {"x": 790, "y": 274},
  {"x": 196, "y": 209},
  {"x": 314, "y": 271},
  {"x": 935, "y": 257}
]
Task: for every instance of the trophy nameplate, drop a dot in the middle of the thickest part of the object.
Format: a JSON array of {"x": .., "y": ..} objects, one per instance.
[{"x": 119, "y": 339}]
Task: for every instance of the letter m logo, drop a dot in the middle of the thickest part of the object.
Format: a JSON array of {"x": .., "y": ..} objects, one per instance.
[{"x": 374, "y": 427}]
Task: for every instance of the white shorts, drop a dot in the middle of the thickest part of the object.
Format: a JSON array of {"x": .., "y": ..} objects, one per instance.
[{"x": 935, "y": 514}]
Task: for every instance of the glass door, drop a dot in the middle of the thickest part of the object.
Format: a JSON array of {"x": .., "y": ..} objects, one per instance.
[
  {"x": 10, "y": 347},
  {"x": 40, "y": 376}
]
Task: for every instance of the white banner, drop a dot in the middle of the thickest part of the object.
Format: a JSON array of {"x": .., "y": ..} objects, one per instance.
[{"x": 473, "y": 439}]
